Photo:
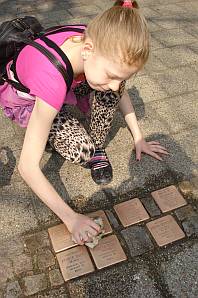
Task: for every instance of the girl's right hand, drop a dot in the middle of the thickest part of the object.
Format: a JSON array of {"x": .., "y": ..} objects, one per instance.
[{"x": 82, "y": 228}]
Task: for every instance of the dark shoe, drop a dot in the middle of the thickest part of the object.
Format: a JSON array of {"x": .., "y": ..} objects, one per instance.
[{"x": 101, "y": 169}]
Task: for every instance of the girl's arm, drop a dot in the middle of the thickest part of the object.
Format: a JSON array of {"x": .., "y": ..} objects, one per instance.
[
  {"x": 29, "y": 167},
  {"x": 128, "y": 112},
  {"x": 141, "y": 145}
]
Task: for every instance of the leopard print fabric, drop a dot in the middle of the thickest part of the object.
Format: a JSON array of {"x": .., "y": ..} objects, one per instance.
[{"x": 68, "y": 136}]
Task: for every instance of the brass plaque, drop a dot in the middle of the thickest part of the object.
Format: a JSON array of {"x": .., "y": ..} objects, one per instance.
[
  {"x": 165, "y": 230},
  {"x": 131, "y": 212},
  {"x": 168, "y": 198},
  {"x": 108, "y": 252},
  {"x": 101, "y": 213},
  {"x": 75, "y": 262},
  {"x": 61, "y": 238}
]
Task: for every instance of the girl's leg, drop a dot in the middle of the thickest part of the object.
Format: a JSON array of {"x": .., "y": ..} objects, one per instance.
[
  {"x": 103, "y": 109},
  {"x": 69, "y": 138}
]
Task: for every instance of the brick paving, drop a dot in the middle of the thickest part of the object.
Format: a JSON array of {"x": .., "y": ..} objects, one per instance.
[{"x": 164, "y": 96}]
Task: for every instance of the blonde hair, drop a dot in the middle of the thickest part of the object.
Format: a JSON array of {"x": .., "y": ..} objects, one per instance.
[{"x": 120, "y": 33}]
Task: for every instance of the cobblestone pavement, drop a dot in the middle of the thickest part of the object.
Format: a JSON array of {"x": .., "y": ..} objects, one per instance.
[{"x": 165, "y": 98}]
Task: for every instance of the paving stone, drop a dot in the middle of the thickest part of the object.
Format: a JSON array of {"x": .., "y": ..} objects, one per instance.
[
  {"x": 190, "y": 225},
  {"x": 112, "y": 219},
  {"x": 173, "y": 23},
  {"x": 173, "y": 37},
  {"x": 165, "y": 230},
  {"x": 6, "y": 270},
  {"x": 56, "y": 293},
  {"x": 45, "y": 258},
  {"x": 186, "y": 187},
  {"x": 36, "y": 241},
  {"x": 1, "y": 293},
  {"x": 180, "y": 273},
  {"x": 151, "y": 207},
  {"x": 177, "y": 56},
  {"x": 108, "y": 252},
  {"x": 74, "y": 262},
  {"x": 16, "y": 213},
  {"x": 22, "y": 263},
  {"x": 184, "y": 152},
  {"x": 85, "y": 10},
  {"x": 56, "y": 278},
  {"x": 131, "y": 212},
  {"x": 13, "y": 290},
  {"x": 138, "y": 240},
  {"x": 170, "y": 9},
  {"x": 176, "y": 81},
  {"x": 12, "y": 247},
  {"x": 168, "y": 198},
  {"x": 35, "y": 283},
  {"x": 169, "y": 118},
  {"x": 116, "y": 281},
  {"x": 185, "y": 212}
]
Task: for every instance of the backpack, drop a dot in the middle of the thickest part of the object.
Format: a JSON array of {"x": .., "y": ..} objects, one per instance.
[{"x": 17, "y": 33}]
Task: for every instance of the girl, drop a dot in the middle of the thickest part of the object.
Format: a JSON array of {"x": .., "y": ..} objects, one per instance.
[{"x": 113, "y": 47}]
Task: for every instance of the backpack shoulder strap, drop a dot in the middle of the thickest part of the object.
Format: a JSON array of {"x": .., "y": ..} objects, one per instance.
[
  {"x": 67, "y": 28},
  {"x": 54, "y": 46},
  {"x": 51, "y": 58}
]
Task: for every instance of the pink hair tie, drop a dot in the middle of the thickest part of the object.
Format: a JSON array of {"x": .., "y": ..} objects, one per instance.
[{"x": 127, "y": 4}]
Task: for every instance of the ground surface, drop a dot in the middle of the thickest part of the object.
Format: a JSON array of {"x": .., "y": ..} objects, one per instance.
[{"x": 165, "y": 98}]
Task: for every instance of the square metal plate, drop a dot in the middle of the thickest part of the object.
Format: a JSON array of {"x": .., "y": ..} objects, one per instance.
[
  {"x": 165, "y": 230},
  {"x": 131, "y": 212},
  {"x": 168, "y": 198},
  {"x": 108, "y": 252},
  {"x": 60, "y": 238},
  {"x": 75, "y": 262}
]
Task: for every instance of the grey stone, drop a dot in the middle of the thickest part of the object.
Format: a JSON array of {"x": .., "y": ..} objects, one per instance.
[
  {"x": 16, "y": 214},
  {"x": 117, "y": 281},
  {"x": 173, "y": 37},
  {"x": 56, "y": 278},
  {"x": 22, "y": 263},
  {"x": 35, "y": 283},
  {"x": 185, "y": 187},
  {"x": 170, "y": 9},
  {"x": 190, "y": 225},
  {"x": 185, "y": 212},
  {"x": 177, "y": 56},
  {"x": 138, "y": 240},
  {"x": 112, "y": 219},
  {"x": 36, "y": 241},
  {"x": 12, "y": 247},
  {"x": 85, "y": 10},
  {"x": 151, "y": 207},
  {"x": 45, "y": 258},
  {"x": 180, "y": 273},
  {"x": 56, "y": 293},
  {"x": 178, "y": 21},
  {"x": 13, "y": 290},
  {"x": 177, "y": 81},
  {"x": 6, "y": 270}
]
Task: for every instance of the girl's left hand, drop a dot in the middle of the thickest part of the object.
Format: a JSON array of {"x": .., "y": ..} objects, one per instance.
[{"x": 149, "y": 148}]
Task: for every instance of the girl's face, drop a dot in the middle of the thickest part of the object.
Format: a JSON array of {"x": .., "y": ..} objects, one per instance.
[{"x": 103, "y": 74}]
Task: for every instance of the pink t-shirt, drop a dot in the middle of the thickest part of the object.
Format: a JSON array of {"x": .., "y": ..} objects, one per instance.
[{"x": 35, "y": 71}]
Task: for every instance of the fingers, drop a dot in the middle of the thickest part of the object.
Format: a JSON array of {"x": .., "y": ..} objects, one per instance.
[
  {"x": 94, "y": 226},
  {"x": 159, "y": 150},
  {"x": 154, "y": 143},
  {"x": 155, "y": 155},
  {"x": 78, "y": 239}
]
